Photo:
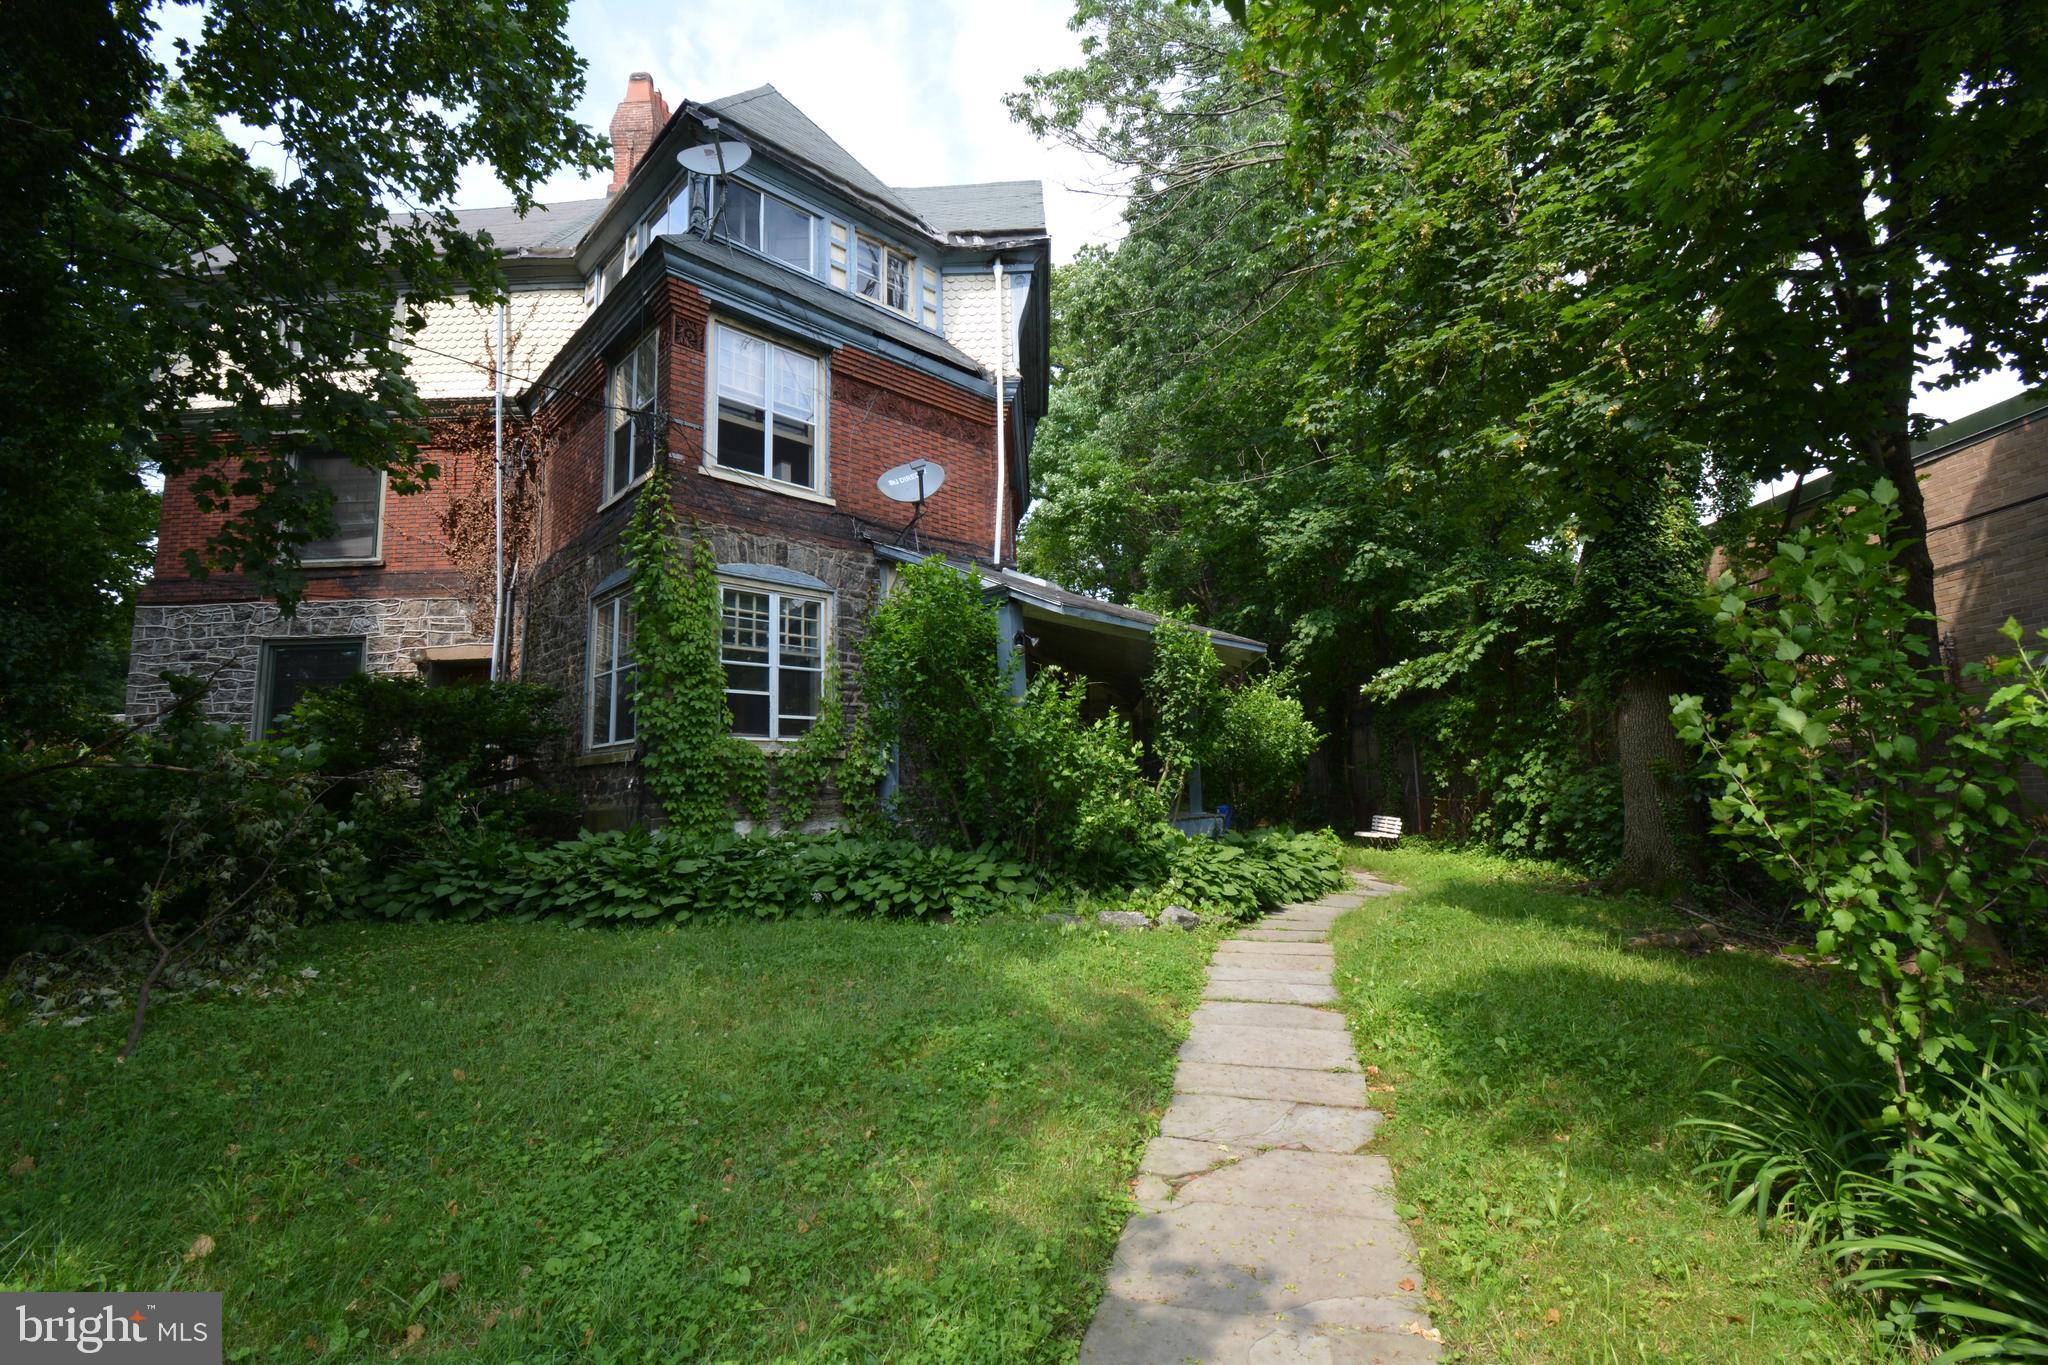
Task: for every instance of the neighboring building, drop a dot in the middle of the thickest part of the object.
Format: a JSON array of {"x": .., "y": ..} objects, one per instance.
[
  {"x": 1984, "y": 479},
  {"x": 781, "y": 341}
]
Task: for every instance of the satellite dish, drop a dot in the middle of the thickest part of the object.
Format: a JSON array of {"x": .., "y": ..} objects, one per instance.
[
  {"x": 912, "y": 482},
  {"x": 714, "y": 158}
]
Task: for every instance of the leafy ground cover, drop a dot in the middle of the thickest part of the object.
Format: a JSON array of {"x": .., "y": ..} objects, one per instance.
[
  {"x": 1539, "y": 1068},
  {"x": 522, "y": 1142}
]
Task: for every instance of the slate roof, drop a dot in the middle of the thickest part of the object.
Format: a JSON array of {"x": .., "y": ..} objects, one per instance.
[
  {"x": 766, "y": 111},
  {"x": 993, "y": 207},
  {"x": 548, "y": 230},
  {"x": 837, "y": 302}
]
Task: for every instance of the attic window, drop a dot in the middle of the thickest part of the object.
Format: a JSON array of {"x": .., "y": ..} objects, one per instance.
[
  {"x": 881, "y": 274},
  {"x": 763, "y": 223}
]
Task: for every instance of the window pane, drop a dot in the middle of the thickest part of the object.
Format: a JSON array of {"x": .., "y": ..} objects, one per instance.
[
  {"x": 792, "y": 455},
  {"x": 357, "y": 493},
  {"x": 603, "y": 638},
  {"x": 799, "y": 695},
  {"x": 745, "y": 626},
  {"x": 899, "y": 283},
  {"x": 786, "y": 233},
  {"x": 297, "y": 668},
  {"x": 801, "y": 640},
  {"x": 746, "y": 678},
  {"x": 622, "y": 452},
  {"x": 642, "y": 372},
  {"x": 643, "y": 442},
  {"x": 601, "y": 709},
  {"x": 749, "y": 713},
  {"x": 867, "y": 268},
  {"x": 622, "y": 607},
  {"x": 740, "y": 439},
  {"x": 627, "y": 726},
  {"x": 796, "y": 384},
  {"x": 613, "y": 268},
  {"x": 743, "y": 367},
  {"x": 741, "y": 208}
]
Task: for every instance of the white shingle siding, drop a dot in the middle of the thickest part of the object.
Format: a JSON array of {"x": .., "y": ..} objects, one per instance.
[
  {"x": 973, "y": 321},
  {"x": 451, "y": 355}
]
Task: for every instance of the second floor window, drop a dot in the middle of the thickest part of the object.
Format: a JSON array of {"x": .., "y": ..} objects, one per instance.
[
  {"x": 766, "y": 224},
  {"x": 613, "y": 677},
  {"x": 767, "y": 409},
  {"x": 631, "y": 410},
  {"x": 357, "y": 510}
]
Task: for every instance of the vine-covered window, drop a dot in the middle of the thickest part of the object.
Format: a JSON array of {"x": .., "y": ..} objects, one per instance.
[
  {"x": 633, "y": 439},
  {"x": 766, "y": 421},
  {"x": 612, "y": 672},
  {"x": 773, "y": 647}
]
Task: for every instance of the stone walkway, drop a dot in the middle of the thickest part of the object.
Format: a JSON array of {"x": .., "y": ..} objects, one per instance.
[{"x": 1262, "y": 1237}]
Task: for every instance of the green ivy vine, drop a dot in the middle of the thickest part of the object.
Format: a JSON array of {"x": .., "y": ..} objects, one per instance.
[
  {"x": 684, "y": 724},
  {"x": 696, "y": 767}
]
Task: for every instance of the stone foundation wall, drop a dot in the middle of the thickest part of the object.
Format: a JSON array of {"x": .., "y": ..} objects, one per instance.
[
  {"x": 224, "y": 640},
  {"x": 552, "y": 626}
]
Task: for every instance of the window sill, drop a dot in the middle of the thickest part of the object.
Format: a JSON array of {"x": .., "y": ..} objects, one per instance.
[
  {"x": 598, "y": 758},
  {"x": 376, "y": 563},
  {"x": 765, "y": 485}
]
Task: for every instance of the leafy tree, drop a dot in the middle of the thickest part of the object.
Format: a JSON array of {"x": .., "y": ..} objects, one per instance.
[{"x": 169, "y": 302}]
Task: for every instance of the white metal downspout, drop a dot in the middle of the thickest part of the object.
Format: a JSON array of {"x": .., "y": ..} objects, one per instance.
[
  {"x": 498, "y": 506},
  {"x": 1002, "y": 366}
]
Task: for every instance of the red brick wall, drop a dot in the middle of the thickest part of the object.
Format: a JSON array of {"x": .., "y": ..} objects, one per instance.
[
  {"x": 881, "y": 415},
  {"x": 1987, "y": 530},
  {"x": 415, "y": 551}
]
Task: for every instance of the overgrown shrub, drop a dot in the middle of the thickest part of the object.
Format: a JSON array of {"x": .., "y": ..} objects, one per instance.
[
  {"x": 677, "y": 877},
  {"x": 1185, "y": 688},
  {"x": 414, "y": 764},
  {"x": 1074, "y": 798},
  {"x": 1260, "y": 748},
  {"x": 1237, "y": 875},
  {"x": 1851, "y": 769}
]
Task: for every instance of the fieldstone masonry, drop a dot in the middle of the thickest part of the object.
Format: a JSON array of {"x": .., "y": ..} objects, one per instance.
[
  {"x": 224, "y": 641},
  {"x": 553, "y": 629}
]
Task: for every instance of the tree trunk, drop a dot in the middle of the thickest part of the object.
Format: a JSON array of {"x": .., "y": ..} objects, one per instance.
[{"x": 1654, "y": 811}]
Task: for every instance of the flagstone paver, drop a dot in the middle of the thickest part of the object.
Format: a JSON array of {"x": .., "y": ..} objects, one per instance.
[{"x": 1263, "y": 1235}]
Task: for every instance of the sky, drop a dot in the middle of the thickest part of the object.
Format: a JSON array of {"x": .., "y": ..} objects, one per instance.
[{"x": 913, "y": 88}]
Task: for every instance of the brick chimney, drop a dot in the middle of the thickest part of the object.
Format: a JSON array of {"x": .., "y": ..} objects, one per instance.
[{"x": 641, "y": 115}]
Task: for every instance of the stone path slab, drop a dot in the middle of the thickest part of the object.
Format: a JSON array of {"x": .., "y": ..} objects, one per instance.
[{"x": 1264, "y": 1236}]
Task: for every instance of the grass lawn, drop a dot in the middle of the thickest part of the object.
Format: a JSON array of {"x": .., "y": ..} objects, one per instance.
[
  {"x": 815, "y": 1141},
  {"x": 1539, "y": 1068}
]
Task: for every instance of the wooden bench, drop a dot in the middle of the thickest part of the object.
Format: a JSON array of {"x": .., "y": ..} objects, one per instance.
[{"x": 1386, "y": 829}]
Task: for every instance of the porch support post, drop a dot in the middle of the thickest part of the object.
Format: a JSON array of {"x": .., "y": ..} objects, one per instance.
[
  {"x": 1009, "y": 625},
  {"x": 1195, "y": 790}
]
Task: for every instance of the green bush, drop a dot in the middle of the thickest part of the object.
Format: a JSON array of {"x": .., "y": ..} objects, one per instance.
[
  {"x": 676, "y": 877},
  {"x": 1260, "y": 748},
  {"x": 1074, "y": 799},
  {"x": 1952, "y": 1225},
  {"x": 1237, "y": 875},
  {"x": 414, "y": 763}
]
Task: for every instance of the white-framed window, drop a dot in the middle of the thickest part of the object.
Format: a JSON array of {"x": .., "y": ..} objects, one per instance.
[
  {"x": 882, "y": 274},
  {"x": 772, "y": 643},
  {"x": 292, "y": 668},
  {"x": 613, "y": 677},
  {"x": 768, "y": 225},
  {"x": 634, "y": 441},
  {"x": 765, "y": 409},
  {"x": 357, "y": 510}
]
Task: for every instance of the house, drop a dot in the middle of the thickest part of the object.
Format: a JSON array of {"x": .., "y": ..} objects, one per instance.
[{"x": 782, "y": 331}]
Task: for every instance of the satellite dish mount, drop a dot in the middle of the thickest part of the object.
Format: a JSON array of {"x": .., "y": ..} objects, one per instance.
[
  {"x": 718, "y": 157},
  {"x": 912, "y": 482}
]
